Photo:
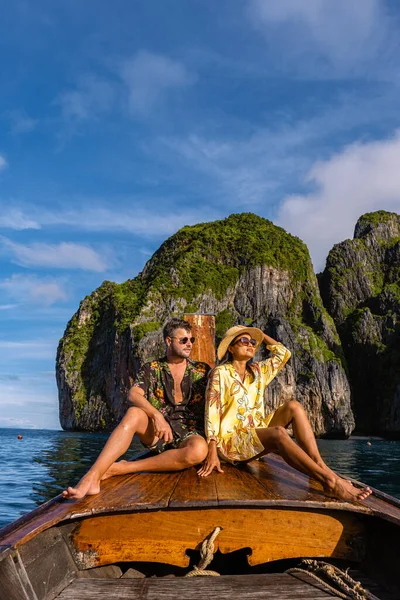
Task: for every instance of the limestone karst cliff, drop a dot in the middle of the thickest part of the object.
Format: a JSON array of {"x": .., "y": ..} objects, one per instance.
[
  {"x": 243, "y": 269},
  {"x": 361, "y": 290}
]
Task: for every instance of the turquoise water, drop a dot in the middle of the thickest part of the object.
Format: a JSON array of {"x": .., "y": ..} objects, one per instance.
[{"x": 44, "y": 462}]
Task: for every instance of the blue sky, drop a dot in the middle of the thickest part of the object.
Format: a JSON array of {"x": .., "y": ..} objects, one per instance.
[{"x": 121, "y": 122}]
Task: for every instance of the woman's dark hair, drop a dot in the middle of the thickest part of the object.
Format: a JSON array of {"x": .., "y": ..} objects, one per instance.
[
  {"x": 226, "y": 358},
  {"x": 173, "y": 324}
]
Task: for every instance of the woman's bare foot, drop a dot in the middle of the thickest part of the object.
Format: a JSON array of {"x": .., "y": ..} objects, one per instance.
[
  {"x": 323, "y": 465},
  {"x": 89, "y": 485},
  {"x": 117, "y": 468},
  {"x": 344, "y": 490}
]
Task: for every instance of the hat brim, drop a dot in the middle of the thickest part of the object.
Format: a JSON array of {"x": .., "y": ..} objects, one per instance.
[{"x": 226, "y": 341}]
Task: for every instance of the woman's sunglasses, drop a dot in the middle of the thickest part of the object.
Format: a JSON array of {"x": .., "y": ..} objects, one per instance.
[
  {"x": 245, "y": 342},
  {"x": 185, "y": 340}
]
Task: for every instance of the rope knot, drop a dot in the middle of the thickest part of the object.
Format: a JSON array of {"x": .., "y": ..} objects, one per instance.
[{"x": 206, "y": 556}]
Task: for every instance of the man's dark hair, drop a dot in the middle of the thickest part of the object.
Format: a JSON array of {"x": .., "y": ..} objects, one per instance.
[{"x": 173, "y": 325}]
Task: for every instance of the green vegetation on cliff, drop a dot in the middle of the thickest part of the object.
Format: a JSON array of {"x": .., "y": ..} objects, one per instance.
[
  {"x": 361, "y": 290},
  {"x": 378, "y": 217},
  {"x": 210, "y": 257},
  {"x": 200, "y": 261},
  {"x": 224, "y": 320}
]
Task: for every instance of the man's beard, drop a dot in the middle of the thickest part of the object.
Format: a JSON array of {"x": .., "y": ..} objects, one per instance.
[{"x": 181, "y": 352}]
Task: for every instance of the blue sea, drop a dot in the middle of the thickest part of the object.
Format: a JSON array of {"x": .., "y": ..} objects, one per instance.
[{"x": 43, "y": 463}]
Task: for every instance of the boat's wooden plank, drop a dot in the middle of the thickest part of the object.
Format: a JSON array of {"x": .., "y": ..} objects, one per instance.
[
  {"x": 273, "y": 471},
  {"x": 239, "y": 487},
  {"x": 282, "y": 484},
  {"x": 164, "y": 536},
  {"x": 33, "y": 523},
  {"x": 251, "y": 587},
  {"x": 48, "y": 563},
  {"x": 108, "y": 488},
  {"x": 194, "y": 491},
  {"x": 292, "y": 484},
  {"x": 14, "y": 584},
  {"x": 296, "y": 489},
  {"x": 136, "y": 492}
]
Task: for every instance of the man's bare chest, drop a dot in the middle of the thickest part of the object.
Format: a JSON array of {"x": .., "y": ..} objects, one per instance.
[{"x": 177, "y": 378}]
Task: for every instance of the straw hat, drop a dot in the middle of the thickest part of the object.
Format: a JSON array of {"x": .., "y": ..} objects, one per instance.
[{"x": 233, "y": 333}]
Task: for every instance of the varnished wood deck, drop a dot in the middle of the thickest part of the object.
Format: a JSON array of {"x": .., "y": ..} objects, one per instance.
[
  {"x": 247, "y": 587},
  {"x": 268, "y": 483}
]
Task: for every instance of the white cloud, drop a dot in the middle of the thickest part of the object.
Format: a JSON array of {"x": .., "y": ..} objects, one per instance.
[
  {"x": 30, "y": 288},
  {"x": 92, "y": 97},
  {"x": 145, "y": 223},
  {"x": 256, "y": 166},
  {"x": 60, "y": 256},
  {"x": 3, "y": 163},
  {"x": 364, "y": 177},
  {"x": 32, "y": 349},
  {"x": 248, "y": 170},
  {"x": 331, "y": 38},
  {"x": 241, "y": 170},
  {"x": 14, "y": 218},
  {"x": 150, "y": 77},
  {"x": 141, "y": 222},
  {"x": 20, "y": 122},
  {"x": 146, "y": 78}
]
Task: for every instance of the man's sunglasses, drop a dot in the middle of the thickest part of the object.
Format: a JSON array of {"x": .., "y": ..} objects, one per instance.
[
  {"x": 245, "y": 341},
  {"x": 184, "y": 340}
]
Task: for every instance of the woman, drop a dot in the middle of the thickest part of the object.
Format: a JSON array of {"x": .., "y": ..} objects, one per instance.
[{"x": 236, "y": 425}]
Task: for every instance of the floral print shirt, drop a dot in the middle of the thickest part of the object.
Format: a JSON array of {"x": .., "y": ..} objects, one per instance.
[
  {"x": 235, "y": 408},
  {"x": 157, "y": 383}
]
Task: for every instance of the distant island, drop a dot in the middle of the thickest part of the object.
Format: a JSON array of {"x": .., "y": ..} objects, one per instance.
[{"x": 342, "y": 327}]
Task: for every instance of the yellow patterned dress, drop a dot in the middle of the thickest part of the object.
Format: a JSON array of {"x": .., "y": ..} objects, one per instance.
[{"x": 234, "y": 409}]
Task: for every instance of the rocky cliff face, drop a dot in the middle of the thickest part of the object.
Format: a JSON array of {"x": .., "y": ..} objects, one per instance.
[
  {"x": 361, "y": 290},
  {"x": 245, "y": 270}
]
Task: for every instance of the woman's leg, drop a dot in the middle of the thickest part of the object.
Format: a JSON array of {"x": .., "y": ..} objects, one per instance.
[
  {"x": 277, "y": 439},
  {"x": 292, "y": 413},
  {"x": 135, "y": 421}
]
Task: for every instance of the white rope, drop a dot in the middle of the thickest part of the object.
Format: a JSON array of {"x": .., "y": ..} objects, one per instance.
[
  {"x": 206, "y": 556},
  {"x": 351, "y": 589}
]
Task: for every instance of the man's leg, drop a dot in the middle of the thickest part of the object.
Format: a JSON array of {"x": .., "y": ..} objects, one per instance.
[
  {"x": 192, "y": 451},
  {"x": 135, "y": 421},
  {"x": 277, "y": 439}
]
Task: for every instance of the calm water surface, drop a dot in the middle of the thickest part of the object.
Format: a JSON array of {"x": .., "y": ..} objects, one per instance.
[{"x": 43, "y": 463}]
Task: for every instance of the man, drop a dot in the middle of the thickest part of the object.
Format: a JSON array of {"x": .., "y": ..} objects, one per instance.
[{"x": 166, "y": 412}]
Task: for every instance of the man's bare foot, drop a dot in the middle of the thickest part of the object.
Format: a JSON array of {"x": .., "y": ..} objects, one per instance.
[
  {"x": 117, "y": 468},
  {"x": 344, "y": 490},
  {"x": 89, "y": 485}
]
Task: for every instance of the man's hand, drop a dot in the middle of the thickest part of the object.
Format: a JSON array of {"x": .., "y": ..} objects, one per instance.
[
  {"x": 161, "y": 428},
  {"x": 211, "y": 462}
]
